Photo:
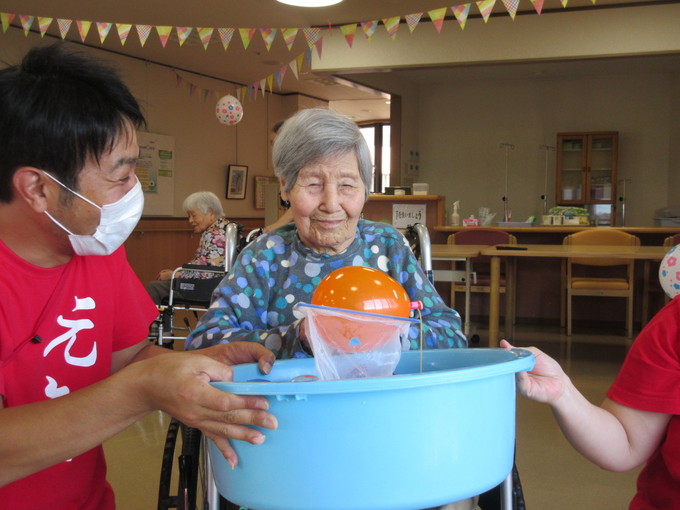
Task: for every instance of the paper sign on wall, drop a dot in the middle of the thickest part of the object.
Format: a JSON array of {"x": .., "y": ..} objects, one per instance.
[{"x": 404, "y": 215}]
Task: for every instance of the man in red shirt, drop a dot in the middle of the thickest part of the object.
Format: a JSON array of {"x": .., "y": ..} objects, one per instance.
[{"x": 75, "y": 365}]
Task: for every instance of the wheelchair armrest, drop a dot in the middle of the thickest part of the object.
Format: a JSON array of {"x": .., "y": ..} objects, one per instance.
[{"x": 203, "y": 267}]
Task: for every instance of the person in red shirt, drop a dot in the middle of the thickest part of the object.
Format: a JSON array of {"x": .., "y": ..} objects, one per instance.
[
  {"x": 75, "y": 365},
  {"x": 639, "y": 420}
]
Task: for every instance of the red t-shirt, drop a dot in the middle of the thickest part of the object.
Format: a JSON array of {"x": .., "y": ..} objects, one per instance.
[
  {"x": 650, "y": 381},
  {"x": 83, "y": 311}
]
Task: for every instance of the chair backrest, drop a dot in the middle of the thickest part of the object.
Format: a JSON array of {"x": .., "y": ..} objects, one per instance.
[
  {"x": 671, "y": 241},
  {"x": 487, "y": 236},
  {"x": 601, "y": 237}
]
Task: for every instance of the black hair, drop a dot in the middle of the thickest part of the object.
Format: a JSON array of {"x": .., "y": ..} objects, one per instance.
[{"x": 57, "y": 108}]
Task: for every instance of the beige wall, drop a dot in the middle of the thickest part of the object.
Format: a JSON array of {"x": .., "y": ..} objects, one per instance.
[{"x": 203, "y": 147}]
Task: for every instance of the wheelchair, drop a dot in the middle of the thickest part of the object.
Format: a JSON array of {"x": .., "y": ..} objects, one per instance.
[{"x": 196, "y": 486}]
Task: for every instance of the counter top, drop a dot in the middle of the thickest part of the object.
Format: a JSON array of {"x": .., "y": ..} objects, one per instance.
[{"x": 567, "y": 229}]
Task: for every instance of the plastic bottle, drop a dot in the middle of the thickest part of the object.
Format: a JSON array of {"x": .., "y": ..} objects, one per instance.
[{"x": 455, "y": 215}]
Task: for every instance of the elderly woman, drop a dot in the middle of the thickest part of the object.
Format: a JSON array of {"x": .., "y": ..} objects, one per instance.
[
  {"x": 324, "y": 167},
  {"x": 207, "y": 217}
]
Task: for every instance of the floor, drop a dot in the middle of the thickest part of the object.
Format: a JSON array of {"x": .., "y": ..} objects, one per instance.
[{"x": 553, "y": 476}]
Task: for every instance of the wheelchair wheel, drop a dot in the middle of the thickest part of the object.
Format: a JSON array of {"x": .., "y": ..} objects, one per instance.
[{"x": 188, "y": 463}]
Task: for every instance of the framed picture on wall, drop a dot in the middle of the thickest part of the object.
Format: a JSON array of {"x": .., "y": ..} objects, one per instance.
[
  {"x": 236, "y": 182},
  {"x": 260, "y": 182}
]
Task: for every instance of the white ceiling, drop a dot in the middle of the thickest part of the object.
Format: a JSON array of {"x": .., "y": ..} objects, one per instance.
[{"x": 244, "y": 67}]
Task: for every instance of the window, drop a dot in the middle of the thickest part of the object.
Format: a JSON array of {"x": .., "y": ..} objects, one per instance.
[{"x": 377, "y": 136}]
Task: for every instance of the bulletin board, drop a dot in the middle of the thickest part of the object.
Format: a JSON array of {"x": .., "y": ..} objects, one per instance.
[{"x": 156, "y": 173}]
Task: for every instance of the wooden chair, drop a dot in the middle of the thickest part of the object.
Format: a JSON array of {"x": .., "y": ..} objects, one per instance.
[
  {"x": 618, "y": 285},
  {"x": 651, "y": 284},
  {"x": 481, "y": 275}
]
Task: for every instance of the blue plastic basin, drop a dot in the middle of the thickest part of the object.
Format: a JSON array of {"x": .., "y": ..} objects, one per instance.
[{"x": 410, "y": 441}]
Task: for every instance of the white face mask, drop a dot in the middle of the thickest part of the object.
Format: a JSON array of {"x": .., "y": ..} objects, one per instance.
[{"x": 116, "y": 222}]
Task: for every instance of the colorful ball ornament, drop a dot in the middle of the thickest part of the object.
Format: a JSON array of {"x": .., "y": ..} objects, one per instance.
[
  {"x": 229, "y": 110},
  {"x": 363, "y": 289},
  {"x": 669, "y": 272}
]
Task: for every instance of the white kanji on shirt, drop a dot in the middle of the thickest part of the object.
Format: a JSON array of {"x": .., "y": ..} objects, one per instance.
[{"x": 70, "y": 336}]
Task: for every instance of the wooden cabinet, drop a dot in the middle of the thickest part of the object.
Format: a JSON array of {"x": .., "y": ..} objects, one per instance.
[{"x": 586, "y": 173}]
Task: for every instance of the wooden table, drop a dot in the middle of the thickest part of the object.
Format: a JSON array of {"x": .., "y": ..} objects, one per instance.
[
  {"x": 454, "y": 252},
  {"x": 554, "y": 251}
]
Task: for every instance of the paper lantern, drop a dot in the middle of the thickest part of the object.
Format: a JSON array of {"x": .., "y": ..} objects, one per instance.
[
  {"x": 229, "y": 110},
  {"x": 363, "y": 289},
  {"x": 669, "y": 272}
]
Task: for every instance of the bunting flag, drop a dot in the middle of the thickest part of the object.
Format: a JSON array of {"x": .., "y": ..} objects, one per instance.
[
  {"x": 103, "y": 29},
  {"x": 268, "y": 35},
  {"x": 437, "y": 17},
  {"x": 412, "y": 20},
  {"x": 256, "y": 87},
  {"x": 83, "y": 28},
  {"x": 246, "y": 36},
  {"x": 225, "y": 36},
  {"x": 293, "y": 67},
  {"x": 6, "y": 19},
  {"x": 349, "y": 31},
  {"x": 183, "y": 34},
  {"x": 64, "y": 26},
  {"x": 43, "y": 25},
  {"x": 279, "y": 75},
  {"x": 369, "y": 28},
  {"x": 564, "y": 3},
  {"x": 300, "y": 60},
  {"x": 538, "y": 5},
  {"x": 163, "y": 34},
  {"x": 511, "y": 6},
  {"x": 143, "y": 32},
  {"x": 392, "y": 25},
  {"x": 485, "y": 7},
  {"x": 123, "y": 32},
  {"x": 461, "y": 13},
  {"x": 289, "y": 35},
  {"x": 204, "y": 34},
  {"x": 314, "y": 38},
  {"x": 26, "y": 22}
]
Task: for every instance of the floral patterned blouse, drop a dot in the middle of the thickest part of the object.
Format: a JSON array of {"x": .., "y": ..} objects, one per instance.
[{"x": 210, "y": 251}]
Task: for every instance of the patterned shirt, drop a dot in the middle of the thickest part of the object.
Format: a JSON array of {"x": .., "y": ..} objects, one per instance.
[
  {"x": 210, "y": 251},
  {"x": 255, "y": 301}
]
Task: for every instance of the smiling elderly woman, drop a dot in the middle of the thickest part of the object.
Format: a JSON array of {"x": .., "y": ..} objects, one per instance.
[{"x": 324, "y": 167}]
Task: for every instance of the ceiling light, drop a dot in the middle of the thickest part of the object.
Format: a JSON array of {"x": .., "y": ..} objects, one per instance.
[{"x": 310, "y": 3}]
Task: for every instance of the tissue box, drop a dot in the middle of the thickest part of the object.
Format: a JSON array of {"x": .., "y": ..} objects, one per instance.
[{"x": 420, "y": 188}]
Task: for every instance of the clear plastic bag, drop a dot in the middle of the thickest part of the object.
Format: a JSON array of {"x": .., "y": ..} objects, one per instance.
[{"x": 349, "y": 344}]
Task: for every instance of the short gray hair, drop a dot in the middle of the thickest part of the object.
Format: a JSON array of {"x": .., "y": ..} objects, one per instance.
[
  {"x": 203, "y": 201},
  {"x": 312, "y": 135}
]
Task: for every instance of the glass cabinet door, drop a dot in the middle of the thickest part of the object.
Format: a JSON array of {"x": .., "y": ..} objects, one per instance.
[
  {"x": 571, "y": 169},
  {"x": 601, "y": 168}
]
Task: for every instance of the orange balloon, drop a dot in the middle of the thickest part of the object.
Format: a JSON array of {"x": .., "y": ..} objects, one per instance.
[{"x": 363, "y": 289}]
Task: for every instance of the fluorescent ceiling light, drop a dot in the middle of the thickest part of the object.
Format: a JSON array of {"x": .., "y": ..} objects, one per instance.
[{"x": 310, "y": 3}]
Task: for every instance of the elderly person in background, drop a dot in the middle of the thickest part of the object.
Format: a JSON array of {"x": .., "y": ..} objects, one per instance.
[
  {"x": 207, "y": 217},
  {"x": 324, "y": 167}
]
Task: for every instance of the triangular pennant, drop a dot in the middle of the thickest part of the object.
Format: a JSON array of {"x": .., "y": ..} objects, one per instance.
[
  {"x": 312, "y": 35},
  {"x": 564, "y": 3},
  {"x": 461, "y": 13},
  {"x": 256, "y": 87},
  {"x": 348, "y": 31},
  {"x": 249, "y": 92},
  {"x": 83, "y": 28},
  {"x": 143, "y": 32},
  {"x": 204, "y": 35},
  {"x": 412, "y": 20},
  {"x": 163, "y": 34},
  {"x": 437, "y": 16},
  {"x": 246, "y": 36},
  {"x": 511, "y": 6},
  {"x": 268, "y": 35},
  {"x": 178, "y": 80},
  {"x": 64, "y": 26},
  {"x": 289, "y": 35},
  {"x": 538, "y": 5},
  {"x": 26, "y": 22},
  {"x": 182, "y": 34},
  {"x": 282, "y": 72},
  {"x": 103, "y": 30},
  {"x": 270, "y": 82},
  {"x": 225, "y": 36},
  {"x": 294, "y": 67},
  {"x": 123, "y": 32},
  {"x": 369, "y": 28},
  {"x": 277, "y": 77},
  {"x": 6, "y": 19},
  {"x": 263, "y": 85},
  {"x": 392, "y": 25},
  {"x": 485, "y": 7},
  {"x": 43, "y": 25}
]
